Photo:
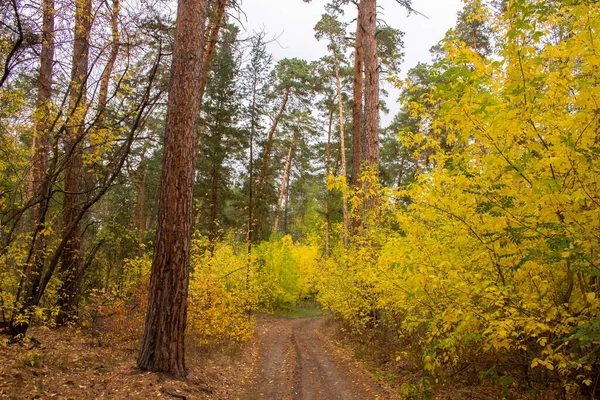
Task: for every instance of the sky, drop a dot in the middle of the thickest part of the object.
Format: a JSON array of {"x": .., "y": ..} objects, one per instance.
[{"x": 292, "y": 22}]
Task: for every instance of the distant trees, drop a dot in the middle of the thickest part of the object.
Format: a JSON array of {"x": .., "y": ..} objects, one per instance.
[
  {"x": 77, "y": 146},
  {"x": 93, "y": 132}
]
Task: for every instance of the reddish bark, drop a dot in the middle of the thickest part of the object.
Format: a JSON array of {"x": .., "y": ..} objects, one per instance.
[
  {"x": 369, "y": 41},
  {"x": 70, "y": 268},
  {"x": 30, "y": 280},
  {"x": 163, "y": 342},
  {"x": 357, "y": 107}
]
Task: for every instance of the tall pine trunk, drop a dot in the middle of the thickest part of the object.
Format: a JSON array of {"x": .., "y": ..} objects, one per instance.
[
  {"x": 343, "y": 148},
  {"x": 214, "y": 187},
  {"x": 70, "y": 268},
  {"x": 369, "y": 41},
  {"x": 162, "y": 346},
  {"x": 327, "y": 172},
  {"x": 30, "y": 280},
  {"x": 357, "y": 107}
]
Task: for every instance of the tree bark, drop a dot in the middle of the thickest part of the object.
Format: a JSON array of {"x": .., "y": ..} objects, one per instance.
[
  {"x": 70, "y": 268},
  {"x": 162, "y": 346},
  {"x": 284, "y": 181},
  {"x": 343, "y": 149},
  {"x": 357, "y": 107},
  {"x": 327, "y": 172},
  {"x": 267, "y": 155},
  {"x": 287, "y": 203},
  {"x": 212, "y": 230},
  {"x": 110, "y": 65},
  {"x": 39, "y": 181},
  {"x": 369, "y": 41},
  {"x": 250, "y": 187},
  {"x": 211, "y": 39},
  {"x": 211, "y": 43}
]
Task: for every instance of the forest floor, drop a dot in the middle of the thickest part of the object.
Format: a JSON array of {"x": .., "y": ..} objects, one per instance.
[{"x": 288, "y": 358}]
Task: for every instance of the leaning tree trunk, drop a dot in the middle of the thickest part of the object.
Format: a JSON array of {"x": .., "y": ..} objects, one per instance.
[
  {"x": 284, "y": 181},
  {"x": 163, "y": 342},
  {"x": 267, "y": 155},
  {"x": 110, "y": 65},
  {"x": 211, "y": 42},
  {"x": 70, "y": 269},
  {"x": 212, "y": 36}
]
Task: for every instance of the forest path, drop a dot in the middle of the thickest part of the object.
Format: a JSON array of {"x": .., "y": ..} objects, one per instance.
[{"x": 293, "y": 359}]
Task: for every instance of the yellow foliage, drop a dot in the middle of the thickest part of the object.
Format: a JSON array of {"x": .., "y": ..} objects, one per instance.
[{"x": 497, "y": 250}]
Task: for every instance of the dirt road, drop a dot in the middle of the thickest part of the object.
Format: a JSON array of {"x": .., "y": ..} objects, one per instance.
[{"x": 295, "y": 360}]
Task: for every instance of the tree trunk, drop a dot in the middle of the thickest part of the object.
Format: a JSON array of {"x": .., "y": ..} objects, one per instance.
[
  {"x": 140, "y": 186},
  {"x": 70, "y": 269},
  {"x": 284, "y": 181},
  {"x": 212, "y": 230},
  {"x": 141, "y": 214},
  {"x": 250, "y": 187},
  {"x": 357, "y": 107},
  {"x": 327, "y": 172},
  {"x": 287, "y": 203},
  {"x": 343, "y": 149},
  {"x": 211, "y": 43},
  {"x": 211, "y": 39},
  {"x": 369, "y": 41},
  {"x": 112, "y": 58},
  {"x": 267, "y": 155},
  {"x": 162, "y": 346},
  {"x": 39, "y": 188}
]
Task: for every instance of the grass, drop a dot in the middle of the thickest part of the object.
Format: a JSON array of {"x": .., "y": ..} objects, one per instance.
[{"x": 305, "y": 309}]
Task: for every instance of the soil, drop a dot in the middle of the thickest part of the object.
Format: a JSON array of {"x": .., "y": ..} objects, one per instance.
[
  {"x": 287, "y": 359},
  {"x": 296, "y": 360}
]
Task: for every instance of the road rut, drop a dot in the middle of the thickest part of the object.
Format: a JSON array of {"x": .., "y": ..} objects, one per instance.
[{"x": 296, "y": 361}]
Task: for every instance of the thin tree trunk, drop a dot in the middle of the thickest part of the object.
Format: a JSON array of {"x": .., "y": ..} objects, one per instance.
[
  {"x": 212, "y": 36},
  {"x": 284, "y": 180},
  {"x": 343, "y": 149},
  {"x": 267, "y": 155},
  {"x": 287, "y": 203},
  {"x": 212, "y": 231},
  {"x": 140, "y": 186},
  {"x": 70, "y": 268},
  {"x": 141, "y": 213},
  {"x": 357, "y": 107},
  {"x": 211, "y": 43},
  {"x": 110, "y": 65},
  {"x": 250, "y": 188},
  {"x": 327, "y": 172},
  {"x": 40, "y": 282},
  {"x": 162, "y": 346},
  {"x": 371, "y": 83},
  {"x": 39, "y": 181}
]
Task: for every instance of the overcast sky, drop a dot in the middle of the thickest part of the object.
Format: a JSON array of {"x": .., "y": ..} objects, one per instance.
[{"x": 293, "y": 21}]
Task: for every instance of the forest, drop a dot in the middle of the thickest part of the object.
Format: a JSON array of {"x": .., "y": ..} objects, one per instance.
[{"x": 179, "y": 208}]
